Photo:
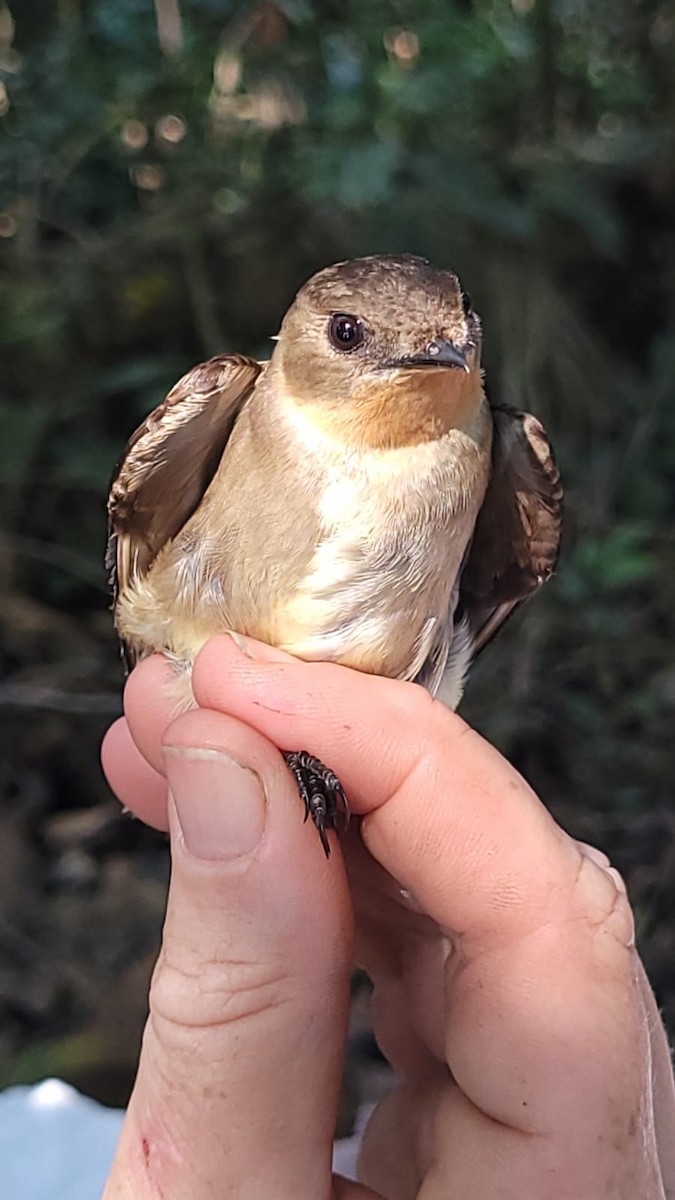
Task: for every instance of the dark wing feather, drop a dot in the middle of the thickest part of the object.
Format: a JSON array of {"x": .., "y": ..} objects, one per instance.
[
  {"x": 170, "y": 461},
  {"x": 517, "y": 535}
]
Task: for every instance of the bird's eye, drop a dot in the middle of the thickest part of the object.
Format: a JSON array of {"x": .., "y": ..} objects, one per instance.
[
  {"x": 345, "y": 332},
  {"x": 466, "y": 304}
]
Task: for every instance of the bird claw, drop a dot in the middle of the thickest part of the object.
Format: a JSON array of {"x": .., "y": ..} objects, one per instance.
[{"x": 320, "y": 791}]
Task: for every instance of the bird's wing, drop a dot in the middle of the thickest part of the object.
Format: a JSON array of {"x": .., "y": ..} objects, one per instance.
[
  {"x": 169, "y": 462},
  {"x": 517, "y": 535}
]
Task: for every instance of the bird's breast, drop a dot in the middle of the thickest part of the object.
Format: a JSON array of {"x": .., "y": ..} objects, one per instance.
[
  {"x": 394, "y": 530},
  {"x": 329, "y": 554}
]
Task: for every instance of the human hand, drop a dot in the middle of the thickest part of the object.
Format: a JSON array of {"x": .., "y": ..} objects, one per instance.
[{"x": 508, "y": 992}]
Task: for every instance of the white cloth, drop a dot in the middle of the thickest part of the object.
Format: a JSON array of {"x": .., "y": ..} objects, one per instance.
[{"x": 58, "y": 1145}]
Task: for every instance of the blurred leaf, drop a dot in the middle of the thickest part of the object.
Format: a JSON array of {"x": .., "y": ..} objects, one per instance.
[
  {"x": 21, "y": 431},
  {"x": 618, "y": 560}
]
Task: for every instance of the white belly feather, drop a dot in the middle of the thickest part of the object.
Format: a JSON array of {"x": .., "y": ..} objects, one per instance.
[{"x": 380, "y": 591}]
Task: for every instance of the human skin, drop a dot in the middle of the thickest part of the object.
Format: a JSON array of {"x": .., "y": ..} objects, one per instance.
[{"x": 508, "y": 992}]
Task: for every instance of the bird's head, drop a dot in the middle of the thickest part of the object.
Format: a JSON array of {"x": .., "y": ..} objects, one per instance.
[{"x": 385, "y": 347}]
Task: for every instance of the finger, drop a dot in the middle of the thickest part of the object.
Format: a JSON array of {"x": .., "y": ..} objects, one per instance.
[
  {"x": 150, "y": 700},
  {"x": 150, "y": 706},
  {"x": 136, "y": 784},
  {"x": 447, "y": 815},
  {"x": 663, "y": 1081},
  {"x": 318, "y": 706},
  {"x": 241, "y": 1062},
  {"x": 345, "y": 1189}
]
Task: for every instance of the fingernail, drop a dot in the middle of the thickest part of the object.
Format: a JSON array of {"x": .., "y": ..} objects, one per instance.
[
  {"x": 220, "y": 803},
  {"x": 597, "y": 856},
  {"x": 241, "y": 642},
  {"x": 258, "y": 650},
  {"x": 617, "y": 880}
]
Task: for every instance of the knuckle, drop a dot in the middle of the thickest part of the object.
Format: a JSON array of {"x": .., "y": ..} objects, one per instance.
[
  {"x": 187, "y": 999},
  {"x": 601, "y": 893}
]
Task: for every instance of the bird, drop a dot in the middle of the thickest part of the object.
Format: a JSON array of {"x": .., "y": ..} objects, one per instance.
[{"x": 357, "y": 498}]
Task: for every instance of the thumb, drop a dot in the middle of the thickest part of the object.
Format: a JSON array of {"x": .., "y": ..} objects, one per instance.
[{"x": 240, "y": 1069}]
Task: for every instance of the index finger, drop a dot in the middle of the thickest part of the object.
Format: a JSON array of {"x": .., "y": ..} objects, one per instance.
[{"x": 432, "y": 790}]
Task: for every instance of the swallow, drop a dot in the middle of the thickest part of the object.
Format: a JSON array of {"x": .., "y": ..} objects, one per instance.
[{"x": 355, "y": 499}]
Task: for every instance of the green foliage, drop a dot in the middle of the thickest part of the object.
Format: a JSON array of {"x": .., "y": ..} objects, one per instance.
[{"x": 163, "y": 193}]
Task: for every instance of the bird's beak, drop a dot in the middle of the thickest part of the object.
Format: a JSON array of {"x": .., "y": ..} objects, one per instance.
[{"x": 438, "y": 353}]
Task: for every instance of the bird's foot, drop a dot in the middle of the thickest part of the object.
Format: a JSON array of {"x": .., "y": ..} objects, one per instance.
[{"x": 321, "y": 792}]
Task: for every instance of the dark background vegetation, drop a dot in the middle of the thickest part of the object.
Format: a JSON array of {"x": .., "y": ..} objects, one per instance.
[{"x": 169, "y": 174}]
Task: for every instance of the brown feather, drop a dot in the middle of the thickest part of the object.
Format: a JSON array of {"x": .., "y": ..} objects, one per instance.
[
  {"x": 169, "y": 462},
  {"x": 517, "y": 534}
]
